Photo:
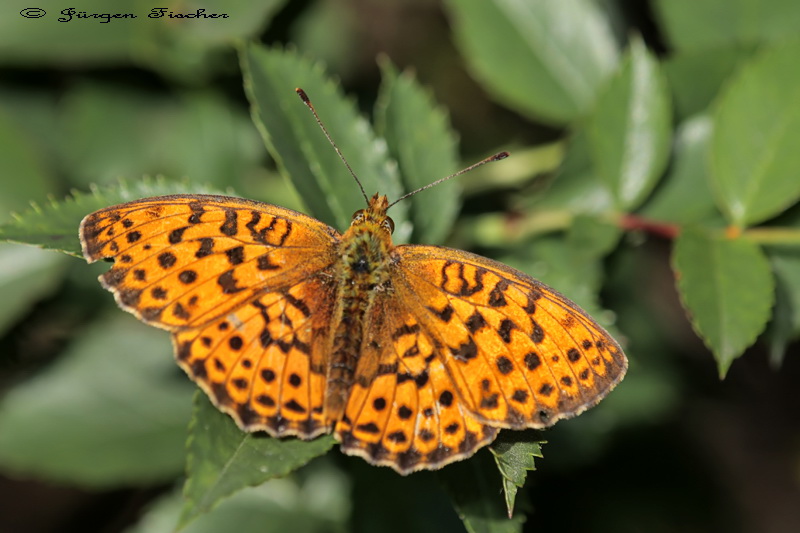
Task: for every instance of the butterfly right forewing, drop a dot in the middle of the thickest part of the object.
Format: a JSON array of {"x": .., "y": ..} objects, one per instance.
[{"x": 520, "y": 354}]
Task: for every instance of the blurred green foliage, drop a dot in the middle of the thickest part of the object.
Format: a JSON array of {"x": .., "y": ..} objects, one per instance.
[{"x": 653, "y": 180}]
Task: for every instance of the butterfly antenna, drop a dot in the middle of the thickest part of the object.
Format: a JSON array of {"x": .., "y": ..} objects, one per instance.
[
  {"x": 495, "y": 157},
  {"x": 304, "y": 97}
]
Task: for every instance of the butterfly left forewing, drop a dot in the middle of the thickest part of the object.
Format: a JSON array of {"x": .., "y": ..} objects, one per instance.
[
  {"x": 181, "y": 261},
  {"x": 519, "y": 354}
]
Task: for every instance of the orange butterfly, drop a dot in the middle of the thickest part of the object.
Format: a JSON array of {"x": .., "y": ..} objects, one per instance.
[{"x": 414, "y": 356}]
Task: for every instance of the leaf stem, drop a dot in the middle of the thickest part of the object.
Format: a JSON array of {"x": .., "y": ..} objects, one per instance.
[
  {"x": 773, "y": 235},
  {"x": 666, "y": 230}
]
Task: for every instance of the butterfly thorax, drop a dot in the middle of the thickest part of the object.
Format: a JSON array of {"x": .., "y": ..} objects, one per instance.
[{"x": 363, "y": 275}]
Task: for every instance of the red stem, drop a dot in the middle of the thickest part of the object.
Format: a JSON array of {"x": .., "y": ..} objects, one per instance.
[{"x": 637, "y": 223}]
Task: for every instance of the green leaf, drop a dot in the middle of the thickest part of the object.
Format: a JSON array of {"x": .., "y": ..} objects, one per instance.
[
  {"x": 591, "y": 237},
  {"x": 196, "y": 135},
  {"x": 420, "y": 139},
  {"x": 110, "y": 412},
  {"x": 212, "y": 142},
  {"x": 545, "y": 59},
  {"x": 296, "y": 143},
  {"x": 55, "y": 225},
  {"x": 32, "y": 112},
  {"x": 246, "y": 18},
  {"x": 785, "y": 325},
  {"x": 223, "y": 459},
  {"x": 190, "y": 51},
  {"x": 754, "y": 156},
  {"x": 576, "y": 187},
  {"x": 26, "y": 275},
  {"x": 727, "y": 287},
  {"x": 180, "y": 48},
  {"x": 47, "y": 40},
  {"x": 22, "y": 168},
  {"x": 629, "y": 130},
  {"x": 693, "y": 25},
  {"x": 696, "y": 77},
  {"x": 684, "y": 195},
  {"x": 333, "y": 34},
  {"x": 514, "y": 454},
  {"x": 316, "y": 503},
  {"x": 474, "y": 487}
]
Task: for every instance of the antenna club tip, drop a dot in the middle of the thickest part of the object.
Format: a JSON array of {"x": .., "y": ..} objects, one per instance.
[
  {"x": 501, "y": 155},
  {"x": 302, "y": 94}
]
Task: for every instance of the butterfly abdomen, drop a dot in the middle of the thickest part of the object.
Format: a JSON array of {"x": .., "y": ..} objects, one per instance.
[{"x": 364, "y": 250}]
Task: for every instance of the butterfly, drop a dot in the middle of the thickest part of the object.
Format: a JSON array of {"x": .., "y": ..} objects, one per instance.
[{"x": 412, "y": 356}]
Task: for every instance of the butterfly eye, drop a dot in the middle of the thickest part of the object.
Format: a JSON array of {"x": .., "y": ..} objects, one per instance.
[
  {"x": 388, "y": 225},
  {"x": 358, "y": 217}
]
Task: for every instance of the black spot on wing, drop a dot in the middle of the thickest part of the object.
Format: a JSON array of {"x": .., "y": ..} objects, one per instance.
[
  {"x": 466, "y": 351},
  {"x": 206, "y": 247},
  {"x": 235, "y": 255},
  {"x": 230, "y": 227},
  {"x": 537, "y": 333},
  {"x": 167, "y": 260},
  {"x": 228, "y": 282},
  {"x": 187, "y": 276},
  {"x": 197, "y": 212},
  {"x": 532, "y": 360},
  {"x": 497, "y": 296},
  {"x": 444, "y": 314},
  {"x": 476, "y": 322},
  {"x": 263, "y": 262},
  {"x": 504, "y": 365},
  {"x": 505, "y": 329},
  {"x": 176, "y": 235}
]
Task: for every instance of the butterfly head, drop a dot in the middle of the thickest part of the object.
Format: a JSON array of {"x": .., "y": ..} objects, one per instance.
[{"x": 374, "y": 215}]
